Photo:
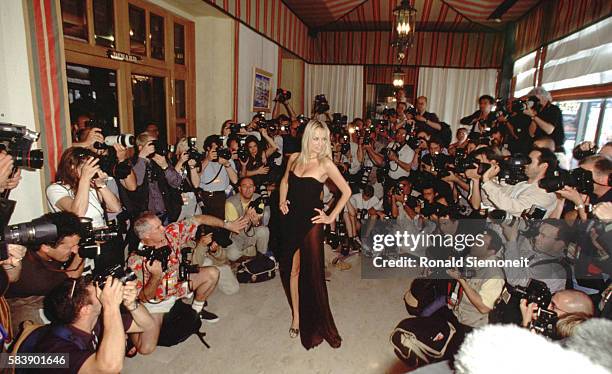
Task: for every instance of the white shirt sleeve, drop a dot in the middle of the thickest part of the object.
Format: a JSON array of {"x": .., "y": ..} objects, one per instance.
[{"x": 55, "y": 193}]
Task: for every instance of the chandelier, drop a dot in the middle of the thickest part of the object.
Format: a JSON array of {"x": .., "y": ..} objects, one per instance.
[
  {"x": 404, "y": 21},
  {"x": 398, "y": 78}
]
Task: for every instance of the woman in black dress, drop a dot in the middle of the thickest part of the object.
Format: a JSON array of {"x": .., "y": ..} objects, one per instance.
[{"x": 302, "y": 264}]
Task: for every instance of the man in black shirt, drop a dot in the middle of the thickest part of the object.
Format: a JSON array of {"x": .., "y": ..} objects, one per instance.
[
  {"x": 43, "y": 268},
  {"x": 430, "y": 123},
  {"x": 517, "y": 125},
  {"x": 548, "y": 120},
  {"x": 481, "y": 119}
]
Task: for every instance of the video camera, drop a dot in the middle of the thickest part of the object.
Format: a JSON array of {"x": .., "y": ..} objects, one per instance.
[
  {"x": 31, "y": 233},
  {"x": 512, "y": 170},
  {"x": 17, "y": 141},
  {"x": 579, "y": 178},
  {"x": 283, "y": 95},
  {"x": 117, "y": 272},
  {"x": 531, "y": 102},
  {"x": 320, "y": 104}
]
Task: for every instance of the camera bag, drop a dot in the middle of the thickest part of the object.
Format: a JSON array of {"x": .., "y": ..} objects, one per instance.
[
  {"x": 259, "y": 269},
  {"x": 179, "y": 324}
]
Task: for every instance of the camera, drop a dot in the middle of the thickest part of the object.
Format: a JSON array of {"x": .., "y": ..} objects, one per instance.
[
  {"x": 219, "y": 235},
  {"x": 185, "y": 266},
  {"x": 538, "y": 292},
  {"x": 531, "y": 102},
  {"x": 283, "y": 95},
  {"x": 365, "y": 176},
  {"x": 236, "y": 127},
  {"x": 223, "y": 152},
  {"x": 512, "y": 170},
  {"x": 117, "y": 272},
  {"x": 579, "y": 178},
  {"x": 90, "y": 238},
  {"x": 17, "y": 142},
  {"x": 258, "y": 204},
  {"x": 321, "y": 105},
  {"x": 35, "y": 232},
  {"x": 125, "y": 140},
  {"x": 110, "y": 165},
  {"x": 580, "y": 154},
  {"x": 412, "y": 110},
  {"x": 151, "y": 254},
  {"x": 192, "y": 151},
  {"x": 161, "y": 148}
]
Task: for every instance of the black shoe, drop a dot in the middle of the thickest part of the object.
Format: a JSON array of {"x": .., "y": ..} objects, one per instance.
[{"x": 208, "y": 316}]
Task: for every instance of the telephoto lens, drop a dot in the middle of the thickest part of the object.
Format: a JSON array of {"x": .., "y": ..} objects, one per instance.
[{"x": 126, "y": 140}]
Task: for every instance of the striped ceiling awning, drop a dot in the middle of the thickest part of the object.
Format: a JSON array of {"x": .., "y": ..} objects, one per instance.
[
  {"x": 316, "y": 13},
  {"x": 479, "y": 11}
]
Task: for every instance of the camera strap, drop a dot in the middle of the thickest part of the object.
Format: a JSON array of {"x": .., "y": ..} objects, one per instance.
[{"x": 216, "y": 175}]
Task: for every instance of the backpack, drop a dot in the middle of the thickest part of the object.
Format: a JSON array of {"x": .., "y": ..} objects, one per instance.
[
  {"x": 179, "y": 324},
  {"x": 259, "y": 269}
]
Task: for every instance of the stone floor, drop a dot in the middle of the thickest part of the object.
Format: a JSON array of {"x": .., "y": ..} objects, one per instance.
[{"x": 252, "y": 334}]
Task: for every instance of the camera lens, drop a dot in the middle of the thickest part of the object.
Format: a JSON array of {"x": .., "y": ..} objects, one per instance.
[{"x": 32, "y": 159}]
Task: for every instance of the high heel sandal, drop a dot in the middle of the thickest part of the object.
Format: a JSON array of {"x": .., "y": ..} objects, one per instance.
[{"x": 293, "y": 333}]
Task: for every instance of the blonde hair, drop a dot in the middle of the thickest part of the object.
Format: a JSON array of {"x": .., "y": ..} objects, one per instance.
[
  {"x": 181, "y": 146},
  {"x": 309, "y": 132},
  {"x": 142, "y": 139}
]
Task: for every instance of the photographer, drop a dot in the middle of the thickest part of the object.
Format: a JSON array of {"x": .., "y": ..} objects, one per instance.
[
  {"x": 283, "y": 97},
  {"x": 362, "y": 211},
  {"x": 546, "y": 118},
  {"x": 256, "y": 233},
  {"x": 481, "y": 119},
  {"x": 567, "y": 305},
  {"x": 45, "y": 266},
  {"x": 461, "y": 143},
  {"x": 402, "y": 198},
  {"x": 257, "y": 166},
  {"x": 397, "y": 158},
  {"x": 157, "y": 180},
  {"x": 517, "y": 198},
  {"x": 427, "y": 121},
  {"x": 93, "y": 344},
  {"x": 545, "y": 251},
  {"x": 517, "y": 125},
  {"x": 187, "y": 161},
  {"x": 448, "y": 326},
  {"x": 218, "y": 173}
]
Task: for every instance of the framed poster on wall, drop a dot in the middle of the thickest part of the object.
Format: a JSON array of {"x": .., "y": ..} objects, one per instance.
[{"x": 262, "y": 91}]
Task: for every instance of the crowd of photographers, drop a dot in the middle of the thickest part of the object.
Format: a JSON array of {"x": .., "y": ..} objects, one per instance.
[{"x": 142, "y": 233}]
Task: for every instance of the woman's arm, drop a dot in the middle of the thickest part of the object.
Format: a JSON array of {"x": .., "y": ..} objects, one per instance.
[
  {"x": 284, "y": 184},
  {"x": 79, "y": 204},
  {"x": 334, "y": 174},
  {"x": 272, "y": 147}
]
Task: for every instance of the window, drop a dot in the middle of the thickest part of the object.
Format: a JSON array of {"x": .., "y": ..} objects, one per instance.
[
  {"x": 179, "y": 44},
  {"x": 585, "y": 120},
  {"x": 138, "y": 31},
  {"x": 524, "y": 73},
  {"x": 104, "y": 23},
  {"x": 74, "y": 19},
  {"x": 92, "y": 92},
  {"x": 149, "y": 103},
  {"x": 157, "y": 37}
]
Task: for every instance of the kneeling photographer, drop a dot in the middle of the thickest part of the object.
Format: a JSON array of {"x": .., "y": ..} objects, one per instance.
[
  {"x": 250, "y": 204},
  {"x": 158, "y": 264},
  {"x": 89, "y": 324},
  {"x": 52, "y": 257},
  {"x": 472, "y": 294}
]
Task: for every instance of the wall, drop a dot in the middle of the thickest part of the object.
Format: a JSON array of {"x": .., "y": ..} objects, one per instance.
[
  {"x": 253, "y": 51},
  {"x": 16, "y": 102},
  {"x": 292, "y": 79}
]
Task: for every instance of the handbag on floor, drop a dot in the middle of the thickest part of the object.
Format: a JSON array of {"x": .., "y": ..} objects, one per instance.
[
  {"x": 179, "y": 324},
  {"x": 259, "y": 269}
]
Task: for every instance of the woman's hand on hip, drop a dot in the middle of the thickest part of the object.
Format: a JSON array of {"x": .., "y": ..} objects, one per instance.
[{"x": 322, "y": 217}]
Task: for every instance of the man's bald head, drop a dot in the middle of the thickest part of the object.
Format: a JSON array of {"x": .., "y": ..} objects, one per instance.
[{"x": 572, "y": 301}]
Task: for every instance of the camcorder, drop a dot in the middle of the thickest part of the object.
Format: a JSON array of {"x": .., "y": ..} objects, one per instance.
[
  {"x": 28, "y": 234},
  {"x": 192, "y": 150},
  {"x": 320, "y": 104},
  {"x": 151, "y": 254},
  {"x": 123, "y": 275},
  {"x": 538, "y": 292},
  {"x": 185, "y": 266},
  {"x": 512, "y": 170},
  {"x": 283, "y": 95},
  {"x": 579, "y": 178},
  {"x": 91, "y": 239},
  {"x": 17, "y": 141}
]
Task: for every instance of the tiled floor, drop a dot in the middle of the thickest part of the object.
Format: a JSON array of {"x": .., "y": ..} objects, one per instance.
[{"x": 252, "y": 335}]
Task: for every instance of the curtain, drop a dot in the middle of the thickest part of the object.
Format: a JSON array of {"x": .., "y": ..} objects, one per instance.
[
  {"x": 453, "y": 93},
  {"x": 524, "y": 73},
  {"x": 342, "y": 85},
  {"x": 581, "y": 59}
]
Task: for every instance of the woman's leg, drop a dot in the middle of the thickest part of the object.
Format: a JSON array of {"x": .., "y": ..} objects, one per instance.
[{"x": 295, "y": 295}]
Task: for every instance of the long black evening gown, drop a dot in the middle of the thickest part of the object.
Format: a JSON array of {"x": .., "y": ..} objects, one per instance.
[{"x": 298, "y": 232}]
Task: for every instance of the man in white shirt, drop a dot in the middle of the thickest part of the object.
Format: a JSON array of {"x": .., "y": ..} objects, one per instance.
[
  {"x": 517, "y": 198},
  {"x": 400, "y": 156},
  {"x": 362, "y": 209}
]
